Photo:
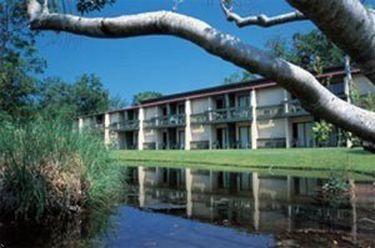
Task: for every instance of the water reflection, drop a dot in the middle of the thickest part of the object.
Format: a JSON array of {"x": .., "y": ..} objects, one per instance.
[{"x": 259, "y": 203}]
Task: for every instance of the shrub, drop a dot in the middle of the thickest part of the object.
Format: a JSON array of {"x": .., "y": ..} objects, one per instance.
[
  {"x": 321, "y": 131},
  {"x": 47, "y": 168}
]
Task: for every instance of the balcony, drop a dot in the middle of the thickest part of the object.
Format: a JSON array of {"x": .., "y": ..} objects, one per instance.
[
  {"x": 165, "y": 121},
  {"x": 199, "y": 145},
  {"x": 271, "y": 112},
  {"x": 149, "y": 145},
  {"x": 222, "y": 115},
  {"x": 231, "y": 114},
  {"x": 128, "y": 125},
  {"x": 200, "y": 118},
  {"x": 94, "y": 126},
  {"x": 150, "y": 123},
  {"x": 295, "y": 109},
  {"x": 271, "y": 143}
]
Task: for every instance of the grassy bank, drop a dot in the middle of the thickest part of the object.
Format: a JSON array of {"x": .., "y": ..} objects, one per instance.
[
  {"x": 355, "y": 160},
  {"x": 48, "y": 169}
]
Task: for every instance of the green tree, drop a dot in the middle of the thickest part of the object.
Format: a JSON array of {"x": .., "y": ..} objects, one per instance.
[
  {"x": 322, "y": 131},
  {"x": 307, "y": 50},
  {"x": 86, "y": 95},
  {"x": 146, "y": 95},
  {"x": 117, "y": 102},
  {"x": 90, "y": 96},
  {"x": 56, "y": 97},
  {"x": 19, "y": 62},
  {"x": 238, "y": 77}
]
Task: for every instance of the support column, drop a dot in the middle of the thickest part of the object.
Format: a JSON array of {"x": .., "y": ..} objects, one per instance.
[
  {"x": 289, "y": 187},
  {"x": 353, "y": 203},
  {"x": 210, "y": 128},
  {"x": 227, "y": 106},
  {"x": 159, "y": 136},
  {"x": 141, "y": 180},
  {"x": 256, "y": 215},
  {"x": 348, "y": 81},
  {"x": 254, "y": 128},
  {"x": 286, "y": 120},
  {"x": 80, "y": 124},
  {"x": 141, "y": 135},
  {"x": 189, "y": 185},
  {"x": 107, "y": 122},
  {"x": 188, "y": 137}
]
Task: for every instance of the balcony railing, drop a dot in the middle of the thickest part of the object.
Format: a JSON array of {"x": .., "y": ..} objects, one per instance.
[
  {"x": 231, "y": 114},
  {"x": 269, "y": 112},
  {"x": 150, "y": 123},
  {"x": 271, "y": 143},
  {"x": 200, "y": 118},
  {"x": 127, "y": 125},
  {"x": 222, "y": 115},
  {"x": 94, "y": 126},
  {"x": 199, "y": 144},
  {"x": 149, "y": 145},
  {"x": 295, "y": 109},
  {"x": 165, "y": 121}
]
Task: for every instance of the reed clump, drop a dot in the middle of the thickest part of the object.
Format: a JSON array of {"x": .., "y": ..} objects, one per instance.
[{"x": 48, "y": 168}]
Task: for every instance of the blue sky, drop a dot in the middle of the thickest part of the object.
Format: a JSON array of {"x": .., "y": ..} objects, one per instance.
[{"x": 158, "y": 63}]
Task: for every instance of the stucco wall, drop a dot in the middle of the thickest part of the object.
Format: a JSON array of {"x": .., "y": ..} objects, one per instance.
[
  {"x": 199, "y": 105},
  {"x": 115, "y": 117},
  {"x": 150, "y": 112},
  {"x": 271, "y": 96},
  {"x": 273, "y": 128},
  {"x": 363, "y": 84},
  {"x": 150, "y": 135},
  {"x": 200, "y": 132}
]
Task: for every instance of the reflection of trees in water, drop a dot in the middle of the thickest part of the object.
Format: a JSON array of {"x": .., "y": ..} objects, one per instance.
[
  {"x": 335, "y": 192},
  {"x": 81, "y": 230},
  {"x": 60, "y": 233},
  {"x": 331, "y": 206}
]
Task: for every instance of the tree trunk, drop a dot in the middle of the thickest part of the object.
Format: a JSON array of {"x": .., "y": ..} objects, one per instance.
[
  {"x": 313, "y": 96},
  {"x": 348, "y": 24}
]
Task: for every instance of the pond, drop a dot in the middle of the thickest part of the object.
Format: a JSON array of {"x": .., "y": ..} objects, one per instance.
[{"x": 184, "y": 207}]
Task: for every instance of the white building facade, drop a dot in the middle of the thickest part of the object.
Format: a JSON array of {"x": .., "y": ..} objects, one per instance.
[{"x": 246, "y": 115}]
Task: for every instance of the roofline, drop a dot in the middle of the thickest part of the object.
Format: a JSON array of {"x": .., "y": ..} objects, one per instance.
[
  {"x": 333, "y": 71},
  {"x": 241, "y": 86},
  {"x": 110, "y": 112}
]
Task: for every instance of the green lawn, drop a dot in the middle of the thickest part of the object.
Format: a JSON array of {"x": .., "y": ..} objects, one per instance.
[{"x": 354, "y": 160}]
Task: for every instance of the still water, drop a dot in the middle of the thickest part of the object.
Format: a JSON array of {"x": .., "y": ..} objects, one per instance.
[{"x": 169, "y": 207}]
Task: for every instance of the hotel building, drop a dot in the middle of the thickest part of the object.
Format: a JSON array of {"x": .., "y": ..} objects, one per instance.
[{"x": 246, "y": 115}]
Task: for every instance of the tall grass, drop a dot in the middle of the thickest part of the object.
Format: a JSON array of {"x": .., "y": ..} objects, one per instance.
[{"x": 47, "y": 168}]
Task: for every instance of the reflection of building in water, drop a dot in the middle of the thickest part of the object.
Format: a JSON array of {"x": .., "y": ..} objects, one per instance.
[
  {"x": 161, "y": 185},
  {"x": 254, "y": 201}
]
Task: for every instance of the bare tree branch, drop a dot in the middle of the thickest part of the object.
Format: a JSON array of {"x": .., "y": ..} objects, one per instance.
[
  {"x": 45, "y": 6},
  {"x": 261, "y": 20},
  {"x": 313, "y": 96}
]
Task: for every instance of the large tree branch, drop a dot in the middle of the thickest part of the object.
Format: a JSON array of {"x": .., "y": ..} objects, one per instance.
[
  {"x": 314, "y": 97},
  {"x": 348, "y": 24},
  {"x": 260, "y": 20}
]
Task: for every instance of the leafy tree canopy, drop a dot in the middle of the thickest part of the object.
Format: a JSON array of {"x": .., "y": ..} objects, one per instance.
[
  {"x": 19, "y": 62},
  {"x": 85, "y": 6},
  {"x": 311, "y": 50},
  {"x": 146, "y": 95},
  {"x": 238, "y": 77},
  {"x": 85, "y": 96}
]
